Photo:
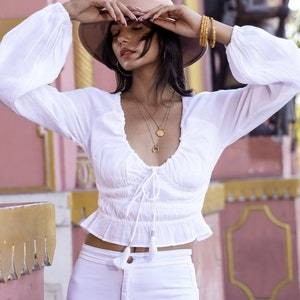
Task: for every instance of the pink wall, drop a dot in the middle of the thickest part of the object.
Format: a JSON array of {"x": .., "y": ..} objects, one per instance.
[
  {"x": 21, "y": 152},
  {"x": 19, "y": 9},
  {"x": 29, "y": 287},
  {"x": 207, "y": 257},
  {"x": 260, "y": 249},
  {"x": 250, "y": 157},
  {"x": 22, "y": 149}
]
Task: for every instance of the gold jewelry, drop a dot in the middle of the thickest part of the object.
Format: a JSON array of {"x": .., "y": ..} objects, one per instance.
[
  {"x": 155, "y": 148},
  {"x": 204, "y": 28},
  {"x": 161, "y": 129},
  {"x": 213, "y": 38}
]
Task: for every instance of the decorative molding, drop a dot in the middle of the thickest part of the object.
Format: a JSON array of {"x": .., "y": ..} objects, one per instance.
[
  {"x": 85, "y": 177},
  {"x": 288, "y": 245},
  {"x": 82, "y": 204},
  {"x": 214, "y": 199},
  {"x": 48, "y": 137},
  {"x": 49, "y": 160},
  {"x": 83, "y": 62},
  {"x": 193, "y": 72},
  {"x": 27, "y": 238},
  {"x": 264, "y": 189}
]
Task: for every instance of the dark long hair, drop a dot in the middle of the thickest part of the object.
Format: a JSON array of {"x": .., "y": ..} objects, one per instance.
[{"x": 170, "y": 66}]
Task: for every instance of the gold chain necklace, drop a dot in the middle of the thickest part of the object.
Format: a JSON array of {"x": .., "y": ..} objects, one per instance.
[
  {"x": 161, "y": 129},
  {"x": 155, "y": 148}
]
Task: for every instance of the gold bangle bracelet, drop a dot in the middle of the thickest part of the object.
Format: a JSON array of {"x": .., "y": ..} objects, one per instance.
[
  {"x": 204, "y": 28},
  {"x": 213, "y": 38},
  {"x": 205, "y": 31}
]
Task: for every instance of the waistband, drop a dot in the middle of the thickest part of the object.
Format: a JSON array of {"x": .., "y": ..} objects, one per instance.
[
  {"x": 103, "y": 256},
  {"x": 94, "y": 241}
]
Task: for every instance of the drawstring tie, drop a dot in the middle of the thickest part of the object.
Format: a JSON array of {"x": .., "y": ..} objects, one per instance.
[
  {"x": 152, "y": 247},
  {"x": 149, "y": 184}
]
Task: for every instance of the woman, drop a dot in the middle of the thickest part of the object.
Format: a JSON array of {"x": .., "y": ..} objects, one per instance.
[{"x": 152, "y": 144}]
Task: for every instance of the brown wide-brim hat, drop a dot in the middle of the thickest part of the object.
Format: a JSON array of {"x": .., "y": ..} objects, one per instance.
[{"x": 92, "y": 35}]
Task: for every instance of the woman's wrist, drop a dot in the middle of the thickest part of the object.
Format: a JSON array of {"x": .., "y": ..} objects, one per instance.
[
  {"x": 223, "y": 33},
  {"x": 212, "y": 31}
]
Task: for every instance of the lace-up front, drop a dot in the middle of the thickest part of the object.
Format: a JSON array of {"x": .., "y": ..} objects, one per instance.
[
  {"x": 146, "y": 206},
  {"x": 147, "y": 190}
]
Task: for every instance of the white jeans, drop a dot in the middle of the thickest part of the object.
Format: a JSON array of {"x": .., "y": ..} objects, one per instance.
[{"x": 170, "y": 275}]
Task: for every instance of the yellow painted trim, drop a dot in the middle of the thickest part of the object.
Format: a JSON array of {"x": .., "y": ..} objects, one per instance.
[
  {"x": 230, "y": 255},
  {"x": 263, "y": 188},
  {"x": 7, "y": 25},
  {"x": 27, "y": 189},
  {"x": 49, "y": 156},
  {"x": 82, "y": 204},
  {"x": 193, "y": 72},
  {"x": 83, "y": 62},
  {"x": 214, "y": 199},
  {"x": 27, "y": 238}
]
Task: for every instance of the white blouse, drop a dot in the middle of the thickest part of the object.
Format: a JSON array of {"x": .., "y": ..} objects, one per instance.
[{"x": 142, "y": 205}]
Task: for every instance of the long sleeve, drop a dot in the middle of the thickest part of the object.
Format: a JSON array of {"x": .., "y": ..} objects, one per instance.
[
  {"x": 25, "y": 52},
  {"x": 31, "y": 57},
  {"x": 257, "y": 57},
  {"x": 270, "y": 68}
]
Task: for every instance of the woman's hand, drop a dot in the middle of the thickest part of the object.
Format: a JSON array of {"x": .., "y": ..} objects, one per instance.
[
  {"x": 177, "y": 18},
  {"x": 184, "y": 21},
  {"x": 88, "y": 11}
]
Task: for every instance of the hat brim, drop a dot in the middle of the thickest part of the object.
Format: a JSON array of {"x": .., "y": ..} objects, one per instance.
[{"x": 92, "y": 37}]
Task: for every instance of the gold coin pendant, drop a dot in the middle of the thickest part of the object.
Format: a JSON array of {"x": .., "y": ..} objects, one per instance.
[{"x": 160, "y": 132}]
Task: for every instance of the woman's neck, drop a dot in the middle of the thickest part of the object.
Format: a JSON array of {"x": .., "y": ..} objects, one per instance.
[{"x": 144, "y": 88}]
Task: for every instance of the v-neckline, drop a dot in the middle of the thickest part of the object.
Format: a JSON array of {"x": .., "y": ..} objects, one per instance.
[{"x": 139, "y": 159}]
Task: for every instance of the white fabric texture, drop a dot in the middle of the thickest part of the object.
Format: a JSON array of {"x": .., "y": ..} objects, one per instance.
[
  {"x": 138, "y": 201},
  {"x": 171, "y": 275}
]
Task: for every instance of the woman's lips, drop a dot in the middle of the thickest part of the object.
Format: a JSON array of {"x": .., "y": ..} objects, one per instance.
[{"x": 125, "y": 52}]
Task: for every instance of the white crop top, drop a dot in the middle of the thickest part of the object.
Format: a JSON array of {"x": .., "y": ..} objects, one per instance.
[{"x": 141, "y": 205}]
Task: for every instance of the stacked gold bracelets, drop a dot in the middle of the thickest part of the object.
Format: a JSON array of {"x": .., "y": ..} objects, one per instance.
[{"x": 204, "y": 32}]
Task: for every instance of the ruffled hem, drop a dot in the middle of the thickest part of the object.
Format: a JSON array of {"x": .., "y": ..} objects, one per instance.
[{"x": 119, "y": 231}]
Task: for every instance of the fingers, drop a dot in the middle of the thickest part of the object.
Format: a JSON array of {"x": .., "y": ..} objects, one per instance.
[
  {"x": 136, "y": 11},
  {"x": 87, "y": 11},
  {"x": 177, "y": 18},
  {"x": 161, "y": 11},
  {"x": 118, "y": 11}
]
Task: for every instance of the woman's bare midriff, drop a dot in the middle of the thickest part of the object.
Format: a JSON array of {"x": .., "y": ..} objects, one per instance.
[{"x": 93, "y": 241}]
